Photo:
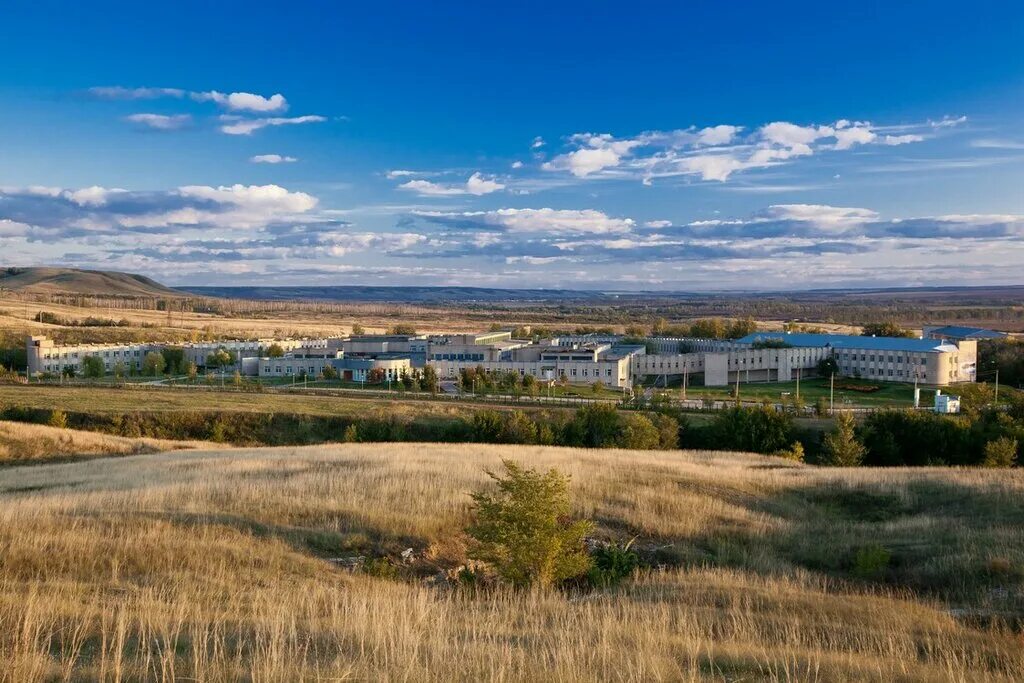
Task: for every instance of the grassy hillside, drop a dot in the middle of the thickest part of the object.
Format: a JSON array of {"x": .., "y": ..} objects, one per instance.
[
  {"x": 46, "y": 280},
  {"x": 215, "y": 565},
  {"x": 20, "y": 442}
]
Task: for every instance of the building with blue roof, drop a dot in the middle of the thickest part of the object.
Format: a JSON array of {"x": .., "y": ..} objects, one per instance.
[
  {"x": 938, "y": 362},
  {"x": 959, "y": 333}
]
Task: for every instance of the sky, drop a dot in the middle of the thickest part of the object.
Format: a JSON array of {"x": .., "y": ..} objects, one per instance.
[{"x": 697, "y": 146}]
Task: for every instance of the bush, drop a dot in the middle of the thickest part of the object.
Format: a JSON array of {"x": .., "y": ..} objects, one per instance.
[
  {"x": 760, "y": 430},
  {"x": 613, "y": 563},
  {"x": 794, "y": 452},
  {"x": 58, "y": 418},
  {"x": 524, "y": 531},
  {"x": 871, "y": 562},
  {"x": 1001, "y": 452}
]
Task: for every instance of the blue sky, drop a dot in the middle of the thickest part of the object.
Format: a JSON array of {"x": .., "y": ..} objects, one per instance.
[{"x": 682, "y": 146}]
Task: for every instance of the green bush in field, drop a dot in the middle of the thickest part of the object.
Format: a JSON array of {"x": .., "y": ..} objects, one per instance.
[
  {"x": 871, "y": 562},
  {"x": 1001, "y": 452},
  {"x": 523, "y": 529},
  {"x": 613, "y": 563}
]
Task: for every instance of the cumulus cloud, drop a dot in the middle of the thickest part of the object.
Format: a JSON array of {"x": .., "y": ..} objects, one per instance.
[
  {"x": 160, "y": 121},
  {"x": 272, "y": 159},
  {"x": 716, "y": 153},
  {"x": 236, "y": 126},
  {"x": 235, "y": 101},
  {"x": 476, "y": 185},
  {"x": 243, "y": 101}
]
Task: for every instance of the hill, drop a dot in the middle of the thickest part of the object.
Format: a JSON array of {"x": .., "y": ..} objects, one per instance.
[
  {"x": 411, "y": 295},
  {"x": 227, "y": 565},
  {"x": 47, "y": 280}
]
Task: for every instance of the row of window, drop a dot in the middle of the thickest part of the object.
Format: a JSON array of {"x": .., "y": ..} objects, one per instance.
[{"x": 106, "y": 354}]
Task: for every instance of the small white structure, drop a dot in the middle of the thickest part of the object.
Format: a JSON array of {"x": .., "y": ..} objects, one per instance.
[{"x": 946, "y": 404}]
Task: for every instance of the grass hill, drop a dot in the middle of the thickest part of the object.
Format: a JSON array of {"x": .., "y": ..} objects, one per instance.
[
  {"x": 228, "y": 565},
  {"x": 47, "y": 280}
]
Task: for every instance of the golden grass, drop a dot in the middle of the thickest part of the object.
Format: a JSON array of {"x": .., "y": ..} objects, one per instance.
[
  {"x": 208, "y": 565},
  {"x": 20, "y": 442}
]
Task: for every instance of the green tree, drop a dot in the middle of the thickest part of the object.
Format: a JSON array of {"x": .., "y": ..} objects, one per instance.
[
  {"x": 402, "y": 329},
  {"x": 887, "y": 328},
  {"x": 357, "y": 330},
  {"x": 759, "y": 430},
  {"x": 524, "y": 528},
  {"x": 428, "y": 380},
  {"x": 840, "y": 447},
  {"x": 92, "y": 367},
  {"x": 153, "y": 364},
  {"x": 219, "y": 359},
  {"x": 120, "y": 369},
  {"x": 1001, "y": 452},
  {"x": 275, "y": 350},
  {"x": 236, "y": 379},
  {"x": 192, "y": 370},
  {"x": 329, "y": 372}
]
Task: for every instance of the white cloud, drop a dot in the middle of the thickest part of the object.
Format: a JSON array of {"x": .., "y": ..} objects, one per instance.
[
  {"x": 718, "y": 135},
  {"x": 948, "y": 122},
  {"x": 402, "y": 173},
  {"x": 658, "y": 224},
  {"x": 236, "y": 126},
  {"x": 536, "y": 220},
  {"x": 517, "y": 164},
  {"x": 716, "y": 152},
  {"x": 996, "y": 143},
  {"x": 91, "y": 196},
  {"x": 821, "y": 215},
  {"x": 117, "y": 92},
  {"x": 272, "y": 159},
  {"x": 476, "y": 185},
  {"x": 537, "y": 143},
  {"x": 160, "y": 121},
  {"x": 243, "y": 101}
]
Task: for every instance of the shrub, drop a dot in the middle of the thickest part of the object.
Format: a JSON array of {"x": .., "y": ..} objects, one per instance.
[
  {"x": 1001, "y": 452},
  {"x": 794, "y": 452},
  {"x": 613, "y": 563},
  {"x": 58, "y": 418},
  {"x": 524, "y": 529},
  {"x": 380, "y": 567},
  {"x": 871, "y": 562},
  {"x": 761, "y": 430}
]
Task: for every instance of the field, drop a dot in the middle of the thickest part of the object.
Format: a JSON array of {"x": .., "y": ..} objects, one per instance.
[
  {"x": 215, "y": 565},
  {"x": 888, "y": 394}
]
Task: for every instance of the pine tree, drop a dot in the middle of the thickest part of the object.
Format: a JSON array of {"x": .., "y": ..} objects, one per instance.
[{"x": 841, "y": 448}]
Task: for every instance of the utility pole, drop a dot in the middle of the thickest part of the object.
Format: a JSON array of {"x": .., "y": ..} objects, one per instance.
[
  {"x": 798, "y": 384},
  {"x": 686, "y": 377},
  {"x": 832, "y": 394},
  {"x": 997, "y": 388},
  {"x": 737, "y": 386}
]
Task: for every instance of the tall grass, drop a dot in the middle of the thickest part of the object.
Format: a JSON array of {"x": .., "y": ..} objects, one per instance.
[{"x": 212, "y": 566}]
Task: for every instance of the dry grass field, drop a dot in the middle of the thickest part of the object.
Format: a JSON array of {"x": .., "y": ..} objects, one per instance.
[
  {"x": 21, "y": 442},
  {"x": 213, "y": 565}
]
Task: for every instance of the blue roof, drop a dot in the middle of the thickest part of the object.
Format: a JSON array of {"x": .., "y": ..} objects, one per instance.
[
  {"x": 967, "y": 332},
  {"x": 850, "y": 341}
]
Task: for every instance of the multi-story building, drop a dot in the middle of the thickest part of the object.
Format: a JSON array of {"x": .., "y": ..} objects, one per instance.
[
  {"x": 578, "y": 363},
  {"x": 46, "y": 357},
  {"x": 891, "y": 359},
  {"x": 198, "y": 352}
]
